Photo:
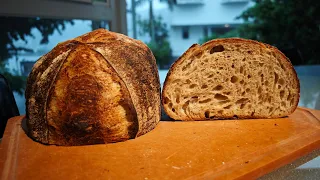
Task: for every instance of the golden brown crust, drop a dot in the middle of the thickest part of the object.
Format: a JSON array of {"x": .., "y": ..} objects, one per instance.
[
  {"x": 37, "y": 88},
  {"x": 136, "y": 66},
  {"x": 97, "y": 88},
  {"x": 193, "y": 51}
]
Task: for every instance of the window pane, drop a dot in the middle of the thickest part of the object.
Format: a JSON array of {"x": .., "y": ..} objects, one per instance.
[{"x": 185, "y": 32}]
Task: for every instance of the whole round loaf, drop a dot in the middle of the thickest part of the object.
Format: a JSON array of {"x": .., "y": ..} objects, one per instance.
[{"x": 100, "y": 87}]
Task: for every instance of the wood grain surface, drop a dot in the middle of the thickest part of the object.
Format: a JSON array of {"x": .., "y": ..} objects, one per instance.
[{"x": 221, "y": 149}]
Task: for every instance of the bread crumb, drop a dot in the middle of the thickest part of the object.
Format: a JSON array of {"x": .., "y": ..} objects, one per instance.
[{"x": 244, "y": 86}]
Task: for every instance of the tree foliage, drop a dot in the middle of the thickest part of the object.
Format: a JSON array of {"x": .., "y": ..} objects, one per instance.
[
  {"x": 291, "y": 25},
  {"x": 288, "y": 24},
  {"x": 231, "y": 33},
  {"x": 162, "y": 53},
  {"x": 13, "y": 29},
  {"x": 160, "y": 47}
]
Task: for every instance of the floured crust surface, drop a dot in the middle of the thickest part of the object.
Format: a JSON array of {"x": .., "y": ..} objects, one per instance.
[{"x": 85, "y": 91}]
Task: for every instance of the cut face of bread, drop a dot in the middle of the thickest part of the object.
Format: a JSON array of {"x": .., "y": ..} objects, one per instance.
[{"x": 231, "y": 78}]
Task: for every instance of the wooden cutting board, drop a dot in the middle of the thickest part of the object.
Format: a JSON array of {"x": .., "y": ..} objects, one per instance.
[{"x": 225, "y": 149}]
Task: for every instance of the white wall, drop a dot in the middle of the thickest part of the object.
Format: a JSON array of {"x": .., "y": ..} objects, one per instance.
[
  {"x": 180, "y": 45},
  {"x": 210, "y": 12}
]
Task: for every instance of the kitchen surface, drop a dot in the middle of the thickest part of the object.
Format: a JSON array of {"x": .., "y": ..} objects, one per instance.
[
  {"x": 176, "y": 150},
  {"x": 306, "y": 167}
]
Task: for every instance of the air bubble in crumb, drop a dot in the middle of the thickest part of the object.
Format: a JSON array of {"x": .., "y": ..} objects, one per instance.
[
  {"x": 220, "y": 97},
  {"x": 207, "y": 114},
  {"x": 234, "y": 79},
  {"x": 218, "y": 88},
  {"x": 204, "y": 86},
  {"x": 215, "y": 49}
]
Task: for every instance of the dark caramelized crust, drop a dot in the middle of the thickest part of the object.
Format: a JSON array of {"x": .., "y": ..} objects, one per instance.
[
  {"x": 98, "y": 88},
  {"x": 136, "y": 66}
]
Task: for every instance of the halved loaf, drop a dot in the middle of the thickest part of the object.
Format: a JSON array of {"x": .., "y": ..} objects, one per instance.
[{"x": 231, "y": 78}]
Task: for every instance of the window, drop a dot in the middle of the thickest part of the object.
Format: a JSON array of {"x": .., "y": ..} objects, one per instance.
[
  {"x": 185, "y": 32},
  {"x": 183, "y": 2},
  {"x": 221, "y": 30}
]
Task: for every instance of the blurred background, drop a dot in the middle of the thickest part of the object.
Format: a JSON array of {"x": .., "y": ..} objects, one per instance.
[{"x": 31, "y": 28}]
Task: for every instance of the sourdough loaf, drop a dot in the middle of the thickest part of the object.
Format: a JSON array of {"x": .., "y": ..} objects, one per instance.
[
  {"x": 100, "y": 87},
  {"x": 231, "y": 78}
]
